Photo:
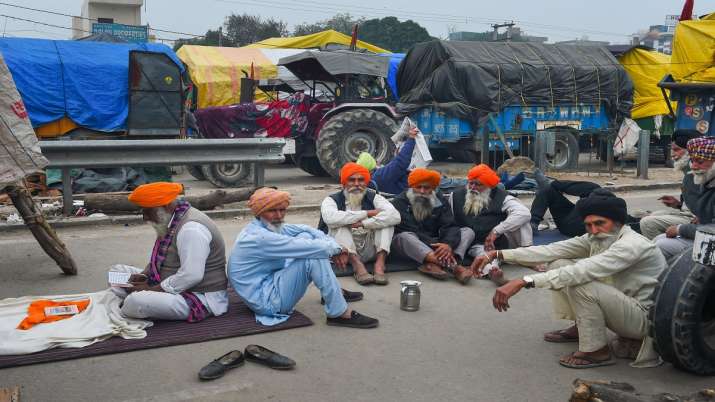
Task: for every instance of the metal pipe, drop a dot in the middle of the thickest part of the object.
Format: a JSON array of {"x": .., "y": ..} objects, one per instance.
[
  {"x": 643, "y": 154},
  {"x": 67, "y": 199}
]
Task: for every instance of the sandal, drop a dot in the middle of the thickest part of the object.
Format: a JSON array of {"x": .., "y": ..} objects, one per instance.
[
  {"x": 380, "y": 279},
  {"x": 591, "y": 362},
  {"x": 364, "y": 279},
  {"x": 560, "y": 336}
]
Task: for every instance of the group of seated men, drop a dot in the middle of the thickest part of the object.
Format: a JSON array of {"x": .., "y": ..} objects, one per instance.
[{"x": 602, "y": 279}]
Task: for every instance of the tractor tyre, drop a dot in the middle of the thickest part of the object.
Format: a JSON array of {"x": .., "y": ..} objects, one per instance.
[
  {"x": 310, "y": 164},
  {"x": 347, "y": 134},
  {"x": 224, "y": 175},
  {"x": 196, "y": 171},
  {"x": 682, "y": 317}
]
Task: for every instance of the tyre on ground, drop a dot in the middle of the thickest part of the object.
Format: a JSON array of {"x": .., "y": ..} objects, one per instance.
[
  {"x": 682, "y": 317},
  {"x": 224, "y": 175},
  {"x": 347, "y": 134},
  {"x": 196, "y": 171},
  {"x": 566, "y": 151}
]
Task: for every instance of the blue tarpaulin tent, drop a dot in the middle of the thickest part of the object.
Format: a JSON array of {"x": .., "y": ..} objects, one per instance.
[{"x": 84, "y": 81}]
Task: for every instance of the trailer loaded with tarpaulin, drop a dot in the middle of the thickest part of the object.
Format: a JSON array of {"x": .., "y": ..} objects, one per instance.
[
  {"x": 457, "y": 92},
  {"x": 89, "y": 82}
]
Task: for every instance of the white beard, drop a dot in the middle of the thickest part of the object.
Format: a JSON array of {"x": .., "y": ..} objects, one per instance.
[
  {"x": 703, "y": 177},
  {"x": 421, "y": 206},
  {"x": 353, "y": 199},
  {"x": 273, "y": 227},
  {"x": 162, "y": 227},
  {"x": 681, "y": 165},
  {"x": 476, "y": 201},
  {"x": 602, "y": 241}
]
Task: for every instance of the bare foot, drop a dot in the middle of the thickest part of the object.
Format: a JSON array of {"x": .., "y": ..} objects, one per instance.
[
  {"x": 347, "y": 314},
  {"x": 379, "y": 267},
  {"x": 358, "y": 266},
  {"x": 579, "y": 358},
  {"x": 569, "y": 334}
]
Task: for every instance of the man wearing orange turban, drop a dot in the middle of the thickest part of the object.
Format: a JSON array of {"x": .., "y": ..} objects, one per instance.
[
  {"x": 427, "y": 232},
  {"x": 362, "y": 222},
  {"x": 490, "y": 217},
  {"x": 186, "y": 275},
  {"x": 273, "y": 263}
]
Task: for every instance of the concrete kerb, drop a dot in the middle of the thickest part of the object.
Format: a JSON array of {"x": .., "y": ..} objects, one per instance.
[{"x": 245, "y": 212}]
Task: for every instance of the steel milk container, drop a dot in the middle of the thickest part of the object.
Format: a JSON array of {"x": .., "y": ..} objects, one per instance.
[{"x": 410, "y": 295}]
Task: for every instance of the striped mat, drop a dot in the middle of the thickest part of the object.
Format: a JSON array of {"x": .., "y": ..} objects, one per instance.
[{"x": 238, "y": 321}]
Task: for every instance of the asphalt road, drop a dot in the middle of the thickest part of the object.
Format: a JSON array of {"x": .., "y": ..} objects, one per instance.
[{"x": 455, "y": 348}]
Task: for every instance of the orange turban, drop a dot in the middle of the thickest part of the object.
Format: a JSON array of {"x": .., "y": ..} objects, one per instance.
[
  {"x": 484, "y": 174},
  {"x": 352, "y": 168},
  {"x": 155, "y": 194},
  {"x": 266, "y": 198},
  {"x": 421, "y": 175}
]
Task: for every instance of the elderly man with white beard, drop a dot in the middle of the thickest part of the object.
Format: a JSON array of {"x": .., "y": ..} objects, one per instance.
[
  {"x": 273, "y": 263},
  {"x": 361, "y": 221},
  {"x": 489, "y": 216},
  {"x": 186, "y": 275},
  {"x": 427, "y": 232},
  {"x": 677, "y": 239},
  {"x": 602, "y": 280},
  {"x": 680, "y": 209}
]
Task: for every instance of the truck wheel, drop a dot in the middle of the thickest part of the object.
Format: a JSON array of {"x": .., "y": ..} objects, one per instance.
[
  {"x": 345, "y": 135},
  {"x": 566, "y": 152},
  {"x": 683, "y": 316},
  {"x": 463, "y": 151},
  {"x": 196, "y": 172},
  {"x": 228, "y": 174}
]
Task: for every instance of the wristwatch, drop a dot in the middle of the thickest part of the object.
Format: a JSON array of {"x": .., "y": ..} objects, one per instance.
[{"x": 529, "y": 281}]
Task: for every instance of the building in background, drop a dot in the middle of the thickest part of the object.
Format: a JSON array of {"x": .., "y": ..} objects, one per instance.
[
  {"x": 109, "y": 16},
  {"x": 512, "y": 33},
  {"x": 584, "y": 42},
  {"x": 658, "y": 37}
]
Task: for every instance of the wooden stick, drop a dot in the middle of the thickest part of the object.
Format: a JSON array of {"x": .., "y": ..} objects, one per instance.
[
  {"x": 43, "y": 232},
  {"x": 109, "y": 202}
]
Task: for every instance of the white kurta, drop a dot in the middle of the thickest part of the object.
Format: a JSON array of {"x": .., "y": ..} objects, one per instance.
[
  {"x": 193, "y": 242},
  {"x": 373, "y": 237},
  {"x": 516, "y": 226}
]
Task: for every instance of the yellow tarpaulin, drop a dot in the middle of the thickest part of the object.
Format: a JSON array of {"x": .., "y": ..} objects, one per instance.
[
  {"x": 646, "y": 68},
  {"x": 217, "y": 71},
  {"x": 316, "y": 41},
  {"x": 694, "y": 51}
]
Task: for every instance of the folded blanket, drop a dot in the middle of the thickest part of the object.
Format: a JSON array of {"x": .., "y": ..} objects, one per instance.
[{"x": 100, "y": 321}]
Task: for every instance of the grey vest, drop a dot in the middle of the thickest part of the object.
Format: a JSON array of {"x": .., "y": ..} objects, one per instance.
[{"x": 215, "y": 270}]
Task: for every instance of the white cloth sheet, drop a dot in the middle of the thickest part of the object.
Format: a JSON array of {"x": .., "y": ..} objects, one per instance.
[{"x": 101, "y": 320}]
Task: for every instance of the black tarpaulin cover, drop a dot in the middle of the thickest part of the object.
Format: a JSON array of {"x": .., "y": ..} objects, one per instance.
[{"x": 471, "y": 79}]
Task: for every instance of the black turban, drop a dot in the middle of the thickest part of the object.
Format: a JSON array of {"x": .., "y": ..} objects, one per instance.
[
  {"x": 681, "y": 137},
  {"x": 602, "y": 202}
]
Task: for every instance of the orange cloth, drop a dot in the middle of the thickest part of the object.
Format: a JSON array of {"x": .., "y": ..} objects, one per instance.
[
  {"x": 421, "y": 175},
  {"x": 157, "y": 194},
  {"x": 266, "y": 198},
  {"x": 484, "y": 174},
  {"x": 352, "y": 168},
  {"x": 36, "y": 312}
]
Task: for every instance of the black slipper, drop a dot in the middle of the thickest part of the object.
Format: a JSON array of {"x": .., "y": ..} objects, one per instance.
[
  {"x": 217, "y": 368},
  {"x": 266, "y": 357},
  {"x": 348, "y": 295}
]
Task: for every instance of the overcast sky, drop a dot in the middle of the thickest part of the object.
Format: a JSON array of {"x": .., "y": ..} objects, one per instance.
[{"x": 611, "y": 20}]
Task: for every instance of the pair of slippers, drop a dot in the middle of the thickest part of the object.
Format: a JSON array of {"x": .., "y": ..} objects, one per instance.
[{"x": 255, "y": 353}]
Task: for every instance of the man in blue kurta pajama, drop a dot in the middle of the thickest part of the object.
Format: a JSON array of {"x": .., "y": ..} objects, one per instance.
[{"x": 272, "y": 264}]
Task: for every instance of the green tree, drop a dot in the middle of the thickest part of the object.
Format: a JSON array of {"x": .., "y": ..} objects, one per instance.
[
  {"x": 343, "y": 22},
  {"x": 245, "y": 29},
  {"x": 389, "y": 33},
  {"x": 210, "y": 39}
]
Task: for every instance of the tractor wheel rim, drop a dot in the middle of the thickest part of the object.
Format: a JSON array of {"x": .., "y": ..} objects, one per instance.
[
  {"x": 363, "y": 141},
  {"x": 229, "y": 169}
]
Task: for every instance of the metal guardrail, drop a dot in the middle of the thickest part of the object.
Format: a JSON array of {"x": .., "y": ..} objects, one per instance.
[{"x": 66, "y": 155}]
